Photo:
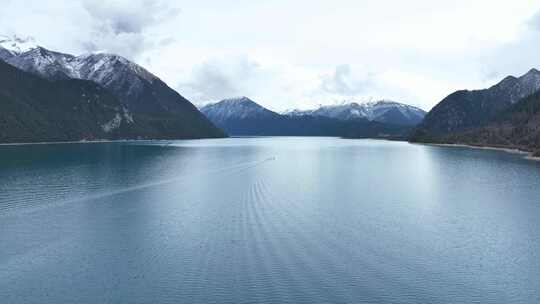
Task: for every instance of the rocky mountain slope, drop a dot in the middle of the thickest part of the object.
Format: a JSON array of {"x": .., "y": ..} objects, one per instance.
[
  {"x": 381, "y": 111},
  {"x": 517, "y": 127},
  {"x": 160, "y": 111},
  {"x": 465, "y": 110},
  {"x": 35, "y": 109}
]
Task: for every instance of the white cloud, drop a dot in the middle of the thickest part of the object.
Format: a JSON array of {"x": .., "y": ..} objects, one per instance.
[
  {"x": 343, "y": 82},
  {"x": 118, "y": 26},
  {"x": 515, "y": 57},
  {"x": 535, "y": 22},
  {"x": 219, "y": 77},
  {"x": 121, "y": 26},
  {"x": 298, "y": 54}
]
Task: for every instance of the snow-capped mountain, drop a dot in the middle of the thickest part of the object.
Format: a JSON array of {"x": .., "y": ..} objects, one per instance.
[
  {"x": 381, "y": 111},
  {"x": 147, "y": 101},
  {"x": 236, "y": 108},
  {"x": 131, "y": 83}
]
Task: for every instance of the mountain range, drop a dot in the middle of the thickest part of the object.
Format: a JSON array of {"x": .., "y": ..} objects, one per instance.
[
  {"x": 52, "y": 96},
  {"x": 243, "y": 116},
  {"x": 383, "y": 111},
  {"x": 145, "y": 106},
  {"x": 135, "y": 104}
]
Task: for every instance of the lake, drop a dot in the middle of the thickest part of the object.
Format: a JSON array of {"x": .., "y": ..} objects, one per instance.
[{"x": 267, "y": 220}]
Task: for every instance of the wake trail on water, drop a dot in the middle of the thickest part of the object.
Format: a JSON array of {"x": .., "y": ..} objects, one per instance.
[{"x": 13, "y": 207}]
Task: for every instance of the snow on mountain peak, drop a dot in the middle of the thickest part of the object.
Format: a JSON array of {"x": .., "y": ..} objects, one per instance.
[
  {"x": 17, "y": 45},
  {"x": 381, "y": 110},
  {"x": 104, "y": 68},
  {"x": 239, "y": 99},
  {"x": 100, "y": 65},
  {"x": 237, "y": 107}
]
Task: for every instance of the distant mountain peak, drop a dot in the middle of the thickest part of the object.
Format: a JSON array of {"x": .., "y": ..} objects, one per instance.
[
  {"x": 105, "y": 55},
  {"x": 509, "y": 78},
  {"x": 241, "y": 104},
  {"x": 100, "y": 64},
  {"x": 235, "y": 108},
  {"x": 515, "y": 88},
  {"x": 532, "y": 75},
  {"x": 237, "y": 102},
  {"x": 533, "y": 71},
  {"x": 240, "y": 99},
  {"x": 39, "y": 50}
]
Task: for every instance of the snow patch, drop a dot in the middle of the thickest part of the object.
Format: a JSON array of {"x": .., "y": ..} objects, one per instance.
[
  {"x": 112, "y": 124},
  {"x": 127, "y": 116}
]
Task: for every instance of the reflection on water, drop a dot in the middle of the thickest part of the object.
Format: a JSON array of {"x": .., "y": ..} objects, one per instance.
[{"x": 269, "y": 220}]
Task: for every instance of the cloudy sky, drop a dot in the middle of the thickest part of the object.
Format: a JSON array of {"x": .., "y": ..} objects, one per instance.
[{"x": 297, "y": 54}]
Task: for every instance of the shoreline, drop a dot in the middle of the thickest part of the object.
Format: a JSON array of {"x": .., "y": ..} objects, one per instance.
[
  {"x": 526, "y": 154},
  {"x": 60, "y": 142},
  {"x": 97, "y": 141}
]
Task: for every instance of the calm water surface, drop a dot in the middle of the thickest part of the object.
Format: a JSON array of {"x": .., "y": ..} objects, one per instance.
[{"x": 267, "y": 220}]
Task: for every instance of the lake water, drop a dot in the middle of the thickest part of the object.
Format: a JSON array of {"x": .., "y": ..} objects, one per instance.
[{"x": 267, "y": 220}]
